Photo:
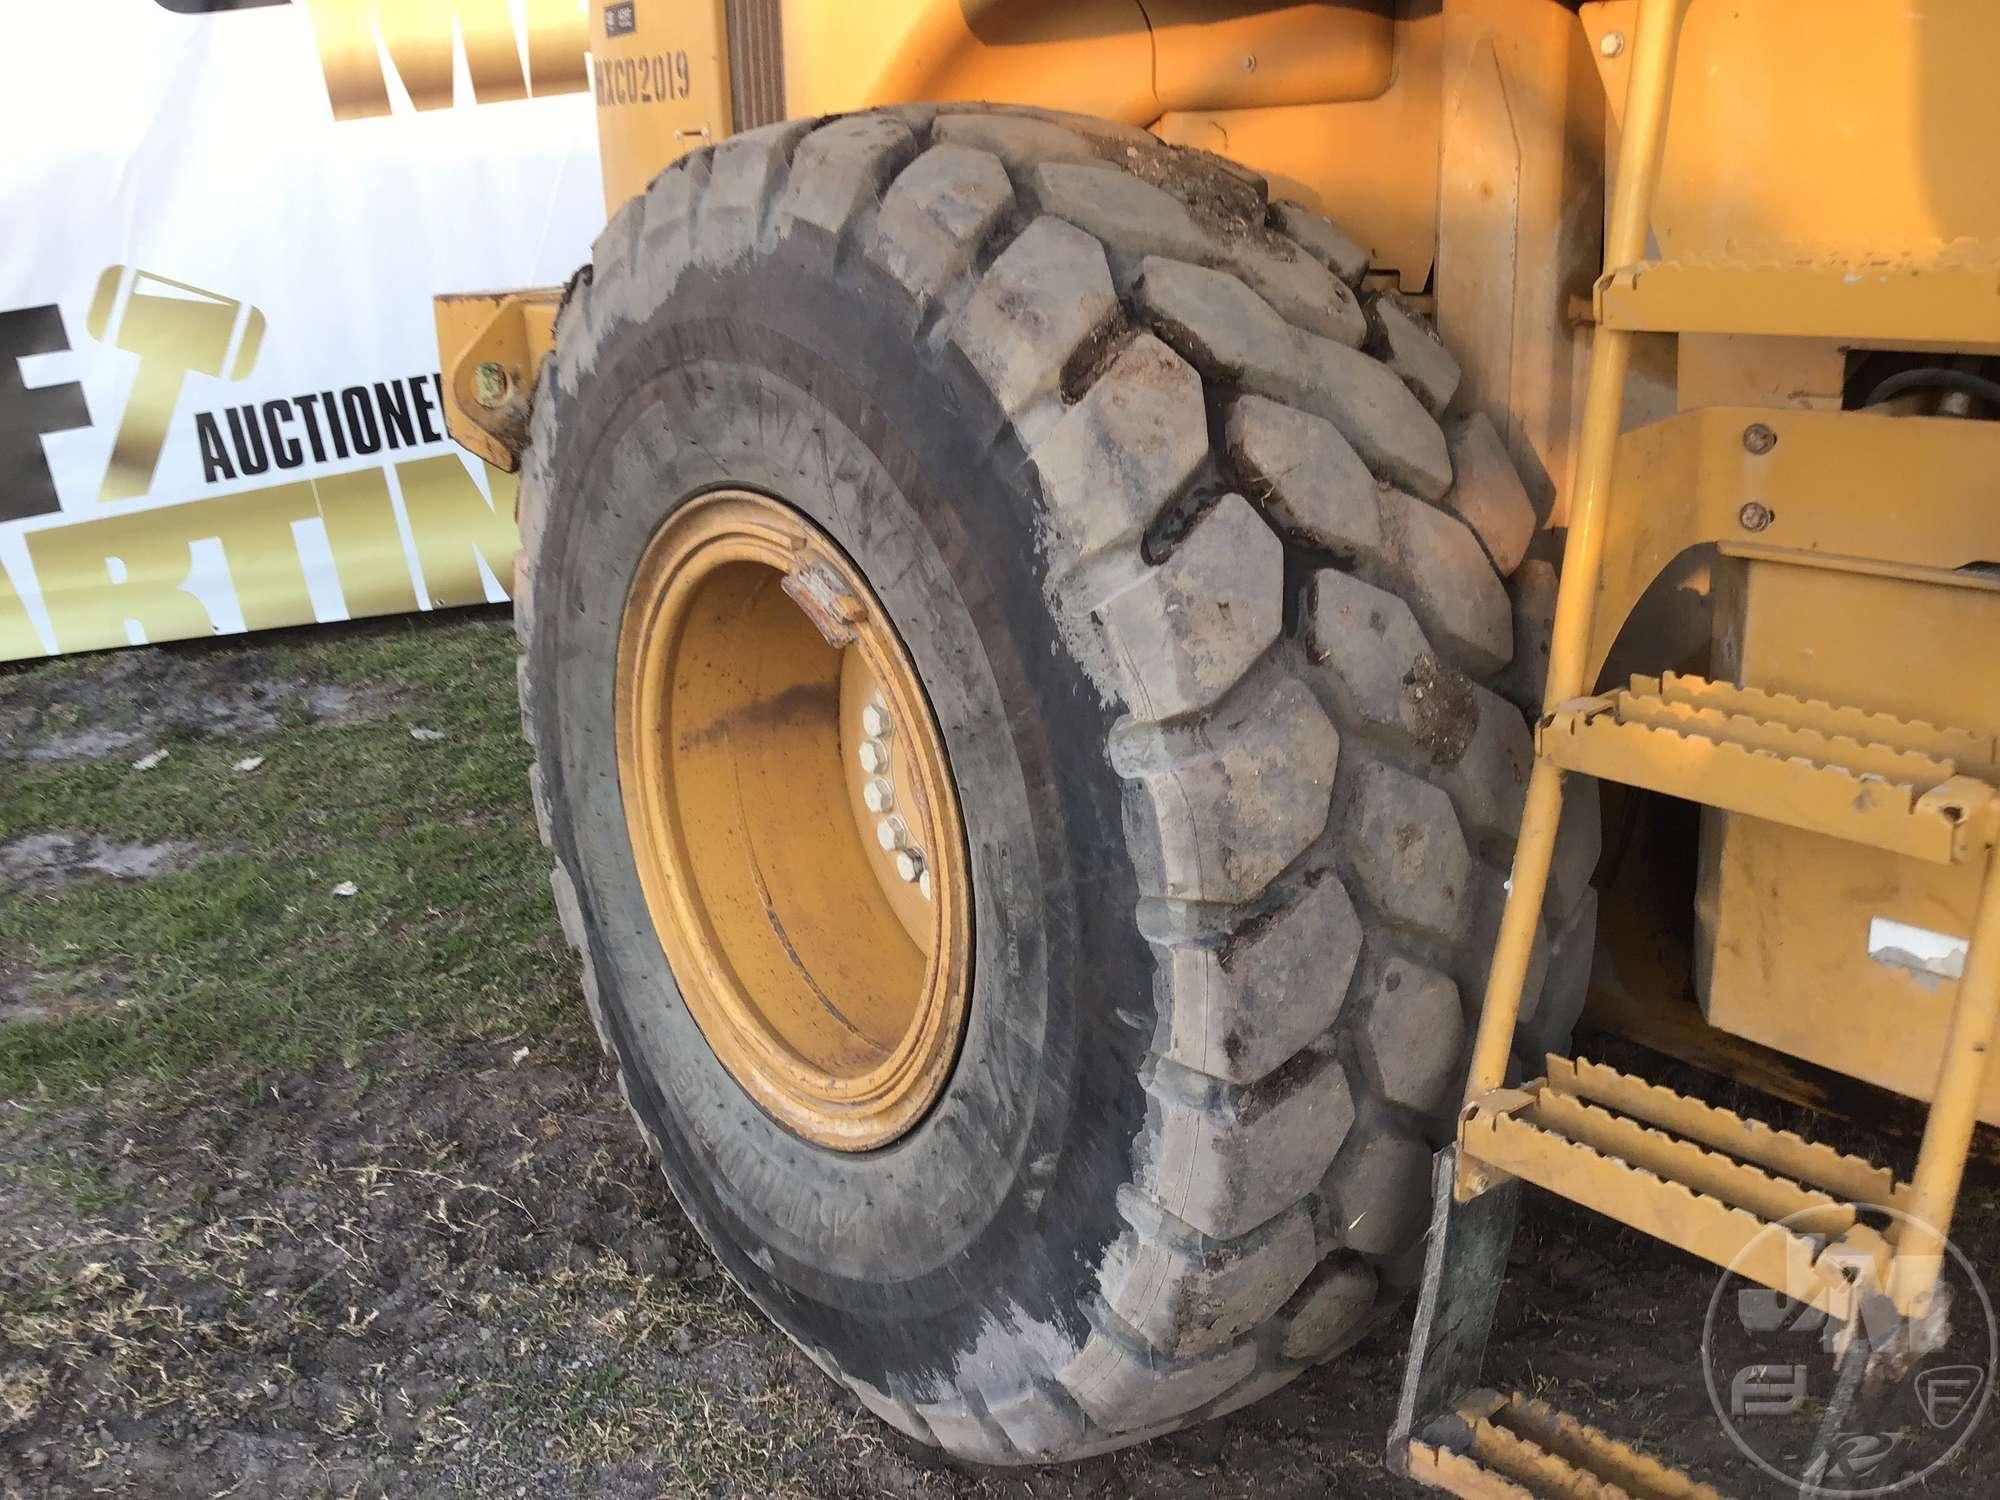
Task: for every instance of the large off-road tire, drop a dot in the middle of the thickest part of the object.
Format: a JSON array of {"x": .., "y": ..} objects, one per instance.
[{"x": 1206, "y": 582}]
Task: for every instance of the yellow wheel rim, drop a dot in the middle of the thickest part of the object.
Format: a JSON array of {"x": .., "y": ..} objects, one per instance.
[{"x": 796, "y": 829}]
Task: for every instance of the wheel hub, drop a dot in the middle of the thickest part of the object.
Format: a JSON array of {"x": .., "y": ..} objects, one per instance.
[{"x": 795, "y": 825}]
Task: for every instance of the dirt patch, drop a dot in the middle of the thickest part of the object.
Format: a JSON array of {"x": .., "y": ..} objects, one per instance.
[
  {"x": 48, "y": 860},
  {"x": 21, "y": 999},
  {"x": 1099, "y": 350},
  {"x": 1221, "y": 196},
  {"x": 440, "y": 1273},
  {"x": 1443, "y": 710},
  {"x": 444, "y": 1273},
  {"x": 119, "y": 703},
  {"x": 27, "y": 994}
]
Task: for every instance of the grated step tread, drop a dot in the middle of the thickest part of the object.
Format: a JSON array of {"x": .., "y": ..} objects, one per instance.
[
  {"x": 1500, "y": 1134},
  {"x": 1518, "y": 1448},
  {"x": 1709, "y": 746},
  {"x": 1852, "y": 1179},
  {"x": 1967, "y": 748}
]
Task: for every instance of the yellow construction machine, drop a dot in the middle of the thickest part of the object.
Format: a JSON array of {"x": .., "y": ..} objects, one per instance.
[{"x": 1071, "y": 735}]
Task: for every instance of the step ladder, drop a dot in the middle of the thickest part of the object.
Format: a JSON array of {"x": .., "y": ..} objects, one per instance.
[{"x": 1777, "y": 1209}]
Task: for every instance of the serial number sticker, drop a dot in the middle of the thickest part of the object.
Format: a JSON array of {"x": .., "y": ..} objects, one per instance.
[{"x": 659, "y": 78}]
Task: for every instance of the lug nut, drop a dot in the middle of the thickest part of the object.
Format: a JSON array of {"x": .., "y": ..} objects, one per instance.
[
  {"x": 910, "y": 864},
  {"x": 874, "y": 757},
  {"x": 879, "y": 795},
  {"x": 1612, "y": 43},
  {"x": 924, "y": 883},
  {"x": 1757, "y": 438},
  {"x": 892, "y": 833},
  {"x": 875, "y": 720},
  {"x": 1754, "y": 516}
]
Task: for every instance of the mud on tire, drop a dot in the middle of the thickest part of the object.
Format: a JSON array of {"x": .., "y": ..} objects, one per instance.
[{"x": 1207, "y": 580}]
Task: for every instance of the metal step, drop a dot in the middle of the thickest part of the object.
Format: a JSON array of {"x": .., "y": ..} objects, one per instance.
[
  {"x": 1497, "y": 1447},
  {"x": 1946, "y": 300},
  {"x": 1897, "y": 785},
  {"x": 1776, "y": 1209}
]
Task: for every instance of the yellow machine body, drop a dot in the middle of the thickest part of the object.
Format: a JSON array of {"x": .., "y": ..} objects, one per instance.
[
  {"x": 1826, "y": 950},
  {"x": 1824, "y": 171},
  {"x": 661, "y": 76}
]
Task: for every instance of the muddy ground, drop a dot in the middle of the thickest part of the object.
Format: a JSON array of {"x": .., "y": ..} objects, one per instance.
[{"x": 312, "y": 1182}]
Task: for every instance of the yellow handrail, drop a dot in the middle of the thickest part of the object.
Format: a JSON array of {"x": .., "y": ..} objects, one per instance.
[{"x": 1655, "y": 44}]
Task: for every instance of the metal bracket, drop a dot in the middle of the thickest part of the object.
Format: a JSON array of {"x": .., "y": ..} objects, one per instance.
[
  {"x": 1871, "y": 1393},
  {"x": 1818, "y": 477},
  {"x": 493, "y": 343},
  {"x": 1465, "y": 1265}
]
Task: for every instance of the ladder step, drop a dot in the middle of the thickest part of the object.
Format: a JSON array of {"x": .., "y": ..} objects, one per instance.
[
  {"x": 1975, "y": 754},
  {"x": 1904, "y": 787},
  {"x": 1694, "y": 1176},
  {"x": 1852, "y": 1179},
  {"x": 1948, "y": 300},
  {"x": 1514, "y": 1448}
]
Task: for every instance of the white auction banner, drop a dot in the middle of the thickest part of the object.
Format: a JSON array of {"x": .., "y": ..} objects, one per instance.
[{"x": 220, "y": 397}]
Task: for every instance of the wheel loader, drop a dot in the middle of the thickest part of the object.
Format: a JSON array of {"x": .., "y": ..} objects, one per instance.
[{"x": 1084, "y": 568}]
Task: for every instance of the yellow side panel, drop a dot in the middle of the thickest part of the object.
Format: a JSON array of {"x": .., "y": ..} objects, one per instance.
[
  {"x": 1207, "y": 58},
  {"x": 1789, "y": 916},
  {"x": 1833, "y": 127},
  {"x": 1371, "y": 165},
  {"x": 662, "y": 80},
  {"x": 1519, "y": 214},
  {"x": 1091, "y": 56},
  {"x": 1114, "y": 58}
]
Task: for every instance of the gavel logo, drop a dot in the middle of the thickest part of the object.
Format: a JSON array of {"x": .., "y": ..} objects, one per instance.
[{"x": 176, "y": 330}]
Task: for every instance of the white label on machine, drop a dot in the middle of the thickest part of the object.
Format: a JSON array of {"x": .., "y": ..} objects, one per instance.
[{"x": 1917, "y": 948}]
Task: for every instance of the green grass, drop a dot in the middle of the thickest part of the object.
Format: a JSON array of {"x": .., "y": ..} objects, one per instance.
[{"x": 247, "y": 959}]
